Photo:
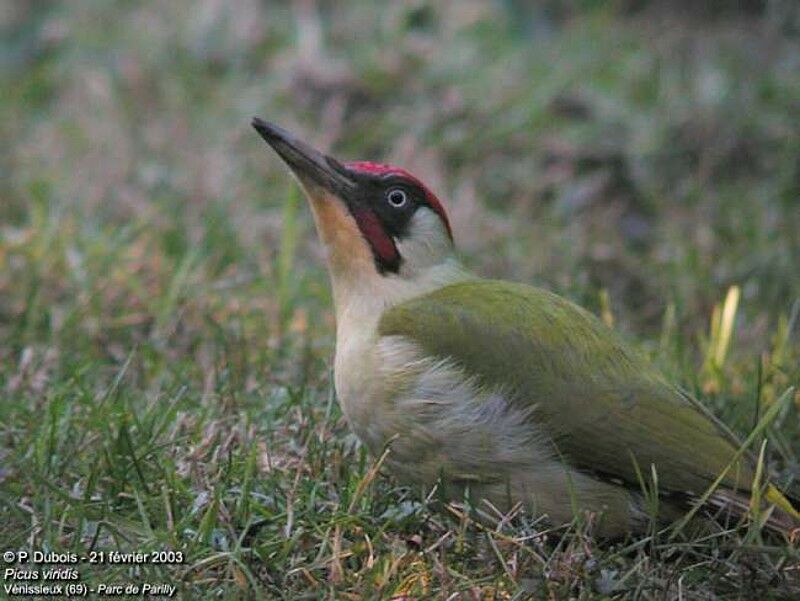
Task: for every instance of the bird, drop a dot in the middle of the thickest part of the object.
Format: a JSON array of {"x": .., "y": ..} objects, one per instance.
[{"x": 498, "y": 392}]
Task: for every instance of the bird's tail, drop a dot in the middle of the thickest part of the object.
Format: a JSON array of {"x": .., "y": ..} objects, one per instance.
[
  {"x": 786, "y": 508},
  {"x": 783, "y": 517},
  {"x": 780, "y": 500}
]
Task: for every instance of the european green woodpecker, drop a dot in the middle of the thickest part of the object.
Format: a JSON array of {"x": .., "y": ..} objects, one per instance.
[{"x": 500, "y": 391}]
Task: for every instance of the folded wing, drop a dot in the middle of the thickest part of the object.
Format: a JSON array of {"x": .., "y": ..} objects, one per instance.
[{"x": 601, "y": 404}]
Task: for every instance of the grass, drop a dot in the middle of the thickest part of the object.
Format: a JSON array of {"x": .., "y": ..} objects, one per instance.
[{"x": 165, "y": 320}]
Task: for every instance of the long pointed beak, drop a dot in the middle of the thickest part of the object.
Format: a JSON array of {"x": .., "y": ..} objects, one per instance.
[{"x": 308, "y": 164}]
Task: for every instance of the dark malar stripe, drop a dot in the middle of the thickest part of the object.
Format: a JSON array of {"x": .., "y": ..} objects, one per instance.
[{"x": 384, "y": 249}]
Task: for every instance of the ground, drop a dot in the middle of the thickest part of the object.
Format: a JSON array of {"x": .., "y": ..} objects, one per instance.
[{"x": 166, "y": 330}]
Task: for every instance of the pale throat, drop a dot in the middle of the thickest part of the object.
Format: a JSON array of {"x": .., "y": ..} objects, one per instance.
[
  {"x": 359, "y": 304},
  {"x": 360, "y": 292},
  {"x": 361, "y": 295}
]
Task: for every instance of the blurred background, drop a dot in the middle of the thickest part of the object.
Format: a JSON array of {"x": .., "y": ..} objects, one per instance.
[
  {"x": 649, "y": 149},
  {"x": 639, "y": 157},
  {"x": 162, "y": 288}
]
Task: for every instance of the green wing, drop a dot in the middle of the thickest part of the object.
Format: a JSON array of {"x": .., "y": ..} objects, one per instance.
[{"x": 600, "y": 402}]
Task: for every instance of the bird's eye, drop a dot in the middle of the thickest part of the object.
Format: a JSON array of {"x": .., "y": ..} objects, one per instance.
[{"x": 397, "y": 197}]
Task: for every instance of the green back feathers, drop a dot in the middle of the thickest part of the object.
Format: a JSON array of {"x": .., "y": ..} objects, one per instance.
[{"x": 598, "y": 400}]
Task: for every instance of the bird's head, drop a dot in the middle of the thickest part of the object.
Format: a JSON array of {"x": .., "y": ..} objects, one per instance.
[{"x": 378, "y": 223}]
